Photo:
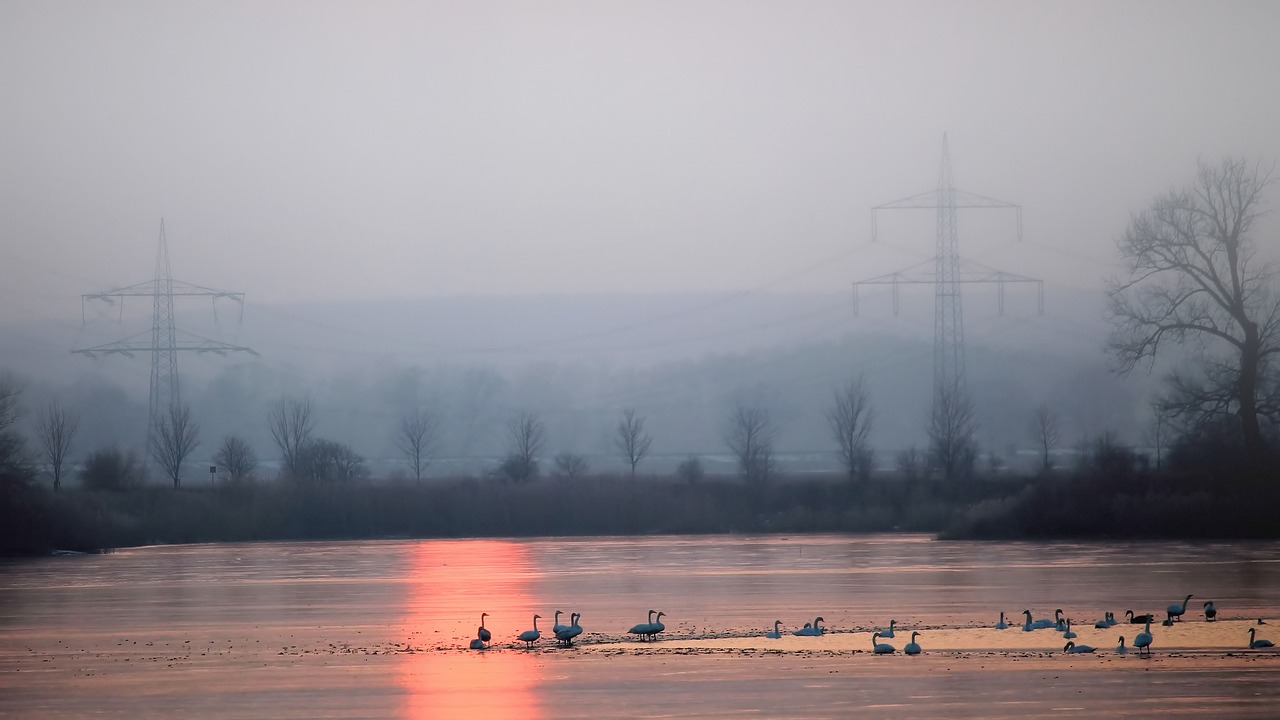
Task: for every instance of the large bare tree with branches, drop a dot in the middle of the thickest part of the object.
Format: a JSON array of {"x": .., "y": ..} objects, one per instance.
[
  {"x": 1045, "y": 433},
  {"x": 1193, "y": 274},
  {"x": 236, "y": 457},
  {"x": 291, "y": 423},
  {"x": 525, "y": 436},
  {"x": 56, "y": 430},
  {"x": 952, "y": 449},
  {"x": 632, "y": 440},
  {"x": 176, "y": 437},
  {"x": 417, "y": 439},
  {"x": 749, "y": 433},
  {"x": 849, "y": 418}
]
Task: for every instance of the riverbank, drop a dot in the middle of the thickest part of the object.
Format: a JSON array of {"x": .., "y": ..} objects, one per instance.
[{"x": 37, "y": 521}]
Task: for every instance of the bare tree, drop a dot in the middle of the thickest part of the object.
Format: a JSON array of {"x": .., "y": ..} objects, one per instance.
[
  {"x": 15, "y": 462},
  {"x": 525, "y": 436},
  {"x": 749, "y": 434},
  {"x": 850, "y": 417},
  {"x": 632, "y": 441},
  {"x": 952, "y": 449},
  {"x": 910, "y": 463},
  {"x": 1193, "y": 275},
  {"x": 570, "y": 466},
  {"x": 176, "y": 436},
  {"x": 1045, "y": 433},
  {"x": 291, "y": 426},
  {"x": 56, "y": 429},
  {"x": 322, "y": 462},
  {"x": 417, "y": 439},
  {"x": 236, "y": 457}
]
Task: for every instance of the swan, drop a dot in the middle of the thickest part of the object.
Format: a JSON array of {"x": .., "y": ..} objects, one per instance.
[
  {"x": 1075, "y": 649},
  {"x": 482, "y": 633},
  {"x": 880, "y": 648},
  {"x": 774, "y": 634},
  {"x": 565, "y": 637},
  {"x": 1002, "y": 624},
  {"x": 1139, "y": 619},
  {"x": 656, "y": 626},
  {"x": 529, "y": 637},
  {"x": 1167, "y": 622},
  {"x": 557, "y": 627},
  {"x": 1175, "y": 611},
  {"x": 912, "y": 648},
  {"x": 1111, "y": 618},
  {"x": 1121, "y": 649},
  {"x": 1210, "y": 612},
  {"x": 1030, "y": 625},
  {"x": 477, "y": 644},
  {"x": 1142, "y": 640},
  {"x": 1255, "y": 644},
  {"x": 889, "y": 633},
  {"x": 642, "y": 629},
  {"x": 1105, "y": 622},
  {"x": 1058, "y": 622},
  {"x": 1068, "y": 634},
  {"x": 808, "y": 630}
]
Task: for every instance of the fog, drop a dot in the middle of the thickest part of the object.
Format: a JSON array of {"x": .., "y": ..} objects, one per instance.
[{"x": 574, "y": 208}]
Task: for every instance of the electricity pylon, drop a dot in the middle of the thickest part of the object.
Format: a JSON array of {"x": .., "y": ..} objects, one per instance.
[
  {"x": 164, "y": 344},
  {"x": 950, "y": 271}
]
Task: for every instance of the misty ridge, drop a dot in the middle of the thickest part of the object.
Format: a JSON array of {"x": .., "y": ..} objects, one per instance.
[{"x": 682, "y": 360}]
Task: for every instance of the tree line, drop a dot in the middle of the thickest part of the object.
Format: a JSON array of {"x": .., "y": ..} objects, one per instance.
[{"x": 1194, "y": 291}]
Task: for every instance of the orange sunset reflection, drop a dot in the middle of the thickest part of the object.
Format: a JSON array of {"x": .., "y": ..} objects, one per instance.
[{"x": 452, "y": 582}]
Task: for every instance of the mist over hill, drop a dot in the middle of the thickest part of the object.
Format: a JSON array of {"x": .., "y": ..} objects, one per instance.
[{"x": 682, "y": 361}]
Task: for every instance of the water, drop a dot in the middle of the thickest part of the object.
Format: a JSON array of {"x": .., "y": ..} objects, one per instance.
[{"x": 378, "y": 629}]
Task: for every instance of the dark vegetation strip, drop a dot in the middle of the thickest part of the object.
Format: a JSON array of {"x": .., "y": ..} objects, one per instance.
[{"x": 1137, "y": 505}]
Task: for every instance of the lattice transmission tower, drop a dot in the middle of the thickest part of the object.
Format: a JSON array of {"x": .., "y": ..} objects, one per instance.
[
  {"x": 949, "y": 272},
  {"x": 164, "y": 343}
]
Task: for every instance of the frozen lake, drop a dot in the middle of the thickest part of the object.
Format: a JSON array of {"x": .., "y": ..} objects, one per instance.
[{"x": 379, "y": 629}]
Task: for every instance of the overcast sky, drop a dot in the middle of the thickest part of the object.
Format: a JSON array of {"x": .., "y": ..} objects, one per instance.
[{"x": 337, "y": 150}]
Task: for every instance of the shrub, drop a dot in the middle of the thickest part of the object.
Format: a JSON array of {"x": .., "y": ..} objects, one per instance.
[
  {"x": 690, "y": 470},
  {"x": 111, "y": 469}
]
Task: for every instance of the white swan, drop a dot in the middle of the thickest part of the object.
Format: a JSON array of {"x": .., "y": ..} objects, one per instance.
[
  {"x": 529, "y": 637},
  {"x": 889, "y": 633},
  {"x": 1107, "y": 621},
  {"x": 808, "y": 630},
  {"x": 1210, "y": 612},
  {"x": 1075, "y": 649},
  {"x": 656, "y": 626},
  {"x": 565, "y": 637},
  {"x": 775, "y": 633},
  {"x": 1002, "y": 624},
  {"x": 477, "y": 644},
  {"x": 1121, "y": 649},
  {"x": 482, "y": 633},
  {"x": 1175, "y": 610},
  {"x": 1058, "y": 622},
  {"x": 1139, "y": 619},
  {"x": 1030, "y": 624},
  {"x": 912, "y": 648},
  {"x": 557, "y": 627},
  {"x": 1255, "y": 644},
  {"x": 1142, "y": 640},
  {"x": 642, "y": 629},
  {"x": 880, "y": 648}
]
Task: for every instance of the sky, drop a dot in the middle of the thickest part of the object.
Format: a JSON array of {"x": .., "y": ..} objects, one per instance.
[{"x": 334, "y": 151}]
